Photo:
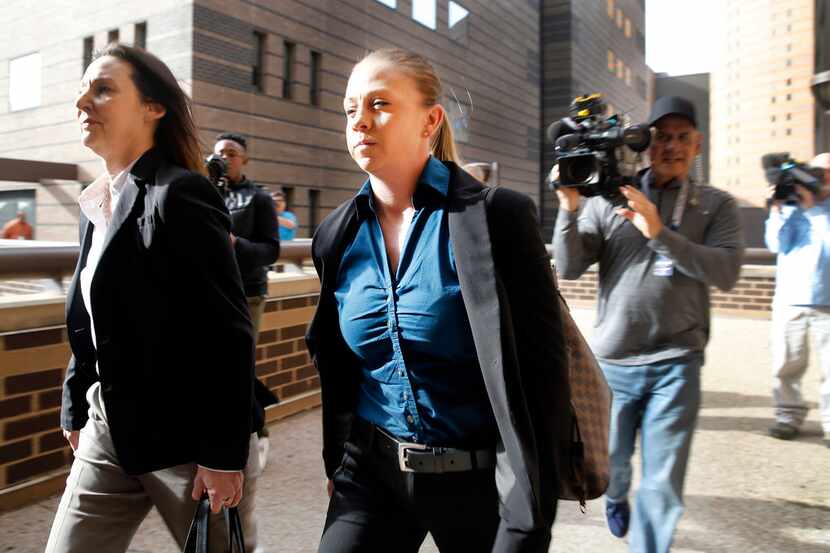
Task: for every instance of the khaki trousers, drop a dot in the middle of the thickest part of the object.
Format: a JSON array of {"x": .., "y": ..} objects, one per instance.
[
  {"x": 791, "y": 325},
  {"x": 102, "y": 506}
]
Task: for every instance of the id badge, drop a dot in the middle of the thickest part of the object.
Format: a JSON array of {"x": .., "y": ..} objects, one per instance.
[{"x": 663, "y": 266}]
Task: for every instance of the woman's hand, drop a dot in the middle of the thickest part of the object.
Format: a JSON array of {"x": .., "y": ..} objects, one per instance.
[
  {"x": 223, "y": 488},
  {"x": 72, "y": 436}
]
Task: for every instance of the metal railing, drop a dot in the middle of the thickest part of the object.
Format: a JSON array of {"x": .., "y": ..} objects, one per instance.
[
  {"x": 21, "y": 259},
  {"x": 31, "y": 259}
]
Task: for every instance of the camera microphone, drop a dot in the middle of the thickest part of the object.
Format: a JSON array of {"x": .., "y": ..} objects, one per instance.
[
  {"x": 774, "y": 160},
  {"x": 567, "y": 142}
]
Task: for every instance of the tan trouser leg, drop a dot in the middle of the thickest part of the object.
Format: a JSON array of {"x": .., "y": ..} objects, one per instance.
[{"x": 102, "y": 506}]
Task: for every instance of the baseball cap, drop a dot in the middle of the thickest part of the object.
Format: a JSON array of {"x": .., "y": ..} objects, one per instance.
[{"x": 672, "y": 105}]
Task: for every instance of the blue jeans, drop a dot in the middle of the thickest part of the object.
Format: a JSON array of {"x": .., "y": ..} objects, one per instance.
[{"x": 662, "y": 400}]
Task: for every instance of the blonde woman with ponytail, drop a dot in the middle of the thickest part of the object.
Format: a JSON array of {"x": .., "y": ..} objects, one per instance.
[{"x": 437, "y": 337}]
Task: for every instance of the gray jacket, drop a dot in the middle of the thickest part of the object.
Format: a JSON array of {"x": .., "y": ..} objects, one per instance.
[{"x": 644, "y": 318}]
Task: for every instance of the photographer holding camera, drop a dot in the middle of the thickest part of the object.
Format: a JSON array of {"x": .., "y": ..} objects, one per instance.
[
  {"x": 255, "y": 240},
  {"x": 800, "y": 234},
  {"x": 254, "y": 231},
  {"x": 659, "y": 248}
]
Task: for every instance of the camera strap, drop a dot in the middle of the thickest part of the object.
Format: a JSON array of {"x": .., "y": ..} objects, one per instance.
[{"x": 679, "y": 203}]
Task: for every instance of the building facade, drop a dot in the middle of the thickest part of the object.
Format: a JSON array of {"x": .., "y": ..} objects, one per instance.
[
  {"x": 761, "y": 100},
  {"x": 591, "y": 46},
  {"x": 276, "y": 72}
]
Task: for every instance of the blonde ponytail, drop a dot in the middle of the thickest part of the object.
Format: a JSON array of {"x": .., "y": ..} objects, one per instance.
[
  {"x": 443, "y": 143},
  {"x": 429, "y": 85}
]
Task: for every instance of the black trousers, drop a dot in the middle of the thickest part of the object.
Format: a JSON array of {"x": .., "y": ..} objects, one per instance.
[{"x": 377, "y": 508}]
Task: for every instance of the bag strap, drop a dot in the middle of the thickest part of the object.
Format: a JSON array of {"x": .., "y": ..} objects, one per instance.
[
  {"x": 233, "y": 522},
  {"x": 197, "y": 536},
  {"x": 577, "y": 446}
]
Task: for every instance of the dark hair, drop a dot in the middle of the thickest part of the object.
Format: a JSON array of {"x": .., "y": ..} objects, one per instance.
[
  {"x": 175, "y": 134},
  {"x": 233, "y": 136}
]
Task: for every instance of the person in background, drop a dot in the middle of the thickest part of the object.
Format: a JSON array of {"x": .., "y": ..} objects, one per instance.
[
  {"x": 800, "y": 235},
  {"x": 660, "y": 247},
  {"x": 18, "y": 228},
  {"x": 287, "y": 219}
]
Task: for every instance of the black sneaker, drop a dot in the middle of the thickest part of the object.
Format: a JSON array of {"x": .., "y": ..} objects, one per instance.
[
  {"x": 783, "y": 431},
  {"x": 618, "y": 516}
]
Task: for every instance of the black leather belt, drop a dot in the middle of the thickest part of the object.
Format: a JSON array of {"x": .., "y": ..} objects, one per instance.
[{"x": 414, "y": 457}]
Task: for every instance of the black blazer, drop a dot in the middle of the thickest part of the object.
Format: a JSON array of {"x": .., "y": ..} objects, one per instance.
[
  {"x": 175, "y": 341},
  {"x": 511, "y": 300}
]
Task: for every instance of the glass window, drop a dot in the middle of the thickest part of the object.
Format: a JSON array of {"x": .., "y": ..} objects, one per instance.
[
  {"x": 315, "y": 78},
  {"x": 313, "y": 210},
  {"x": 611, "y": 62},
  {"x": 457, "y": 14},
  {"x": 627, "y": 28},
  {"x": 25, "y": 82},
  {"x": 258, "y": 70},
  {"x": 611, "y": 9},
  {"x": 620, "y": 67},
  {"x": 140, "y": 35},
  {"x": 390, "y": 3},
  {"x": 112, "y": 36},
  {"x": 287, "y": 69},
  {"x": 628, "y": 76},
  {"x": 89, "y": 47},
  {"x": 619, "y": 18},
  {"x": 423, "y": 11}
]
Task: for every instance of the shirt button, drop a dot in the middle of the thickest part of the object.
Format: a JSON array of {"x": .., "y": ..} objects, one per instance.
[
  {"x": 410, "y": 419},
  {"x": 405, "y": 396}
]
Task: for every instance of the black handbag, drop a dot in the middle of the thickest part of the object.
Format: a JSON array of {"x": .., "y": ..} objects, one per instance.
[{"x": 197, "y": 537}]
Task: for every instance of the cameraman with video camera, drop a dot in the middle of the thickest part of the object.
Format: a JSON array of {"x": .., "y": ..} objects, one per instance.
[
  {"x": 798, "y": 230},
  {"x": 255, "y": 239},
  {"x": 660, "y": 244},
  {"x": 254, "y": 231}
]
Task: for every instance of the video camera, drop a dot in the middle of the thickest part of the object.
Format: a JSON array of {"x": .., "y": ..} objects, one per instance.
[
  {"x": 587, "y": 144},
  {"x": 217, "y": 170},
  {"x": 785, "y": 173}
]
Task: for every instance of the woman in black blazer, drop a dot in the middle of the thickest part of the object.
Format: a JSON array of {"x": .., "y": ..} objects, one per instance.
[
  {"x": 437, "y": 337},
  {"x": 157, "y": 401}
]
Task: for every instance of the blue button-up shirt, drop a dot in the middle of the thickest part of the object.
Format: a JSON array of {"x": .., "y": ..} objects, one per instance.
[
  {"x": 801, "y": 238},
  {"x": 421, "y": 378}
]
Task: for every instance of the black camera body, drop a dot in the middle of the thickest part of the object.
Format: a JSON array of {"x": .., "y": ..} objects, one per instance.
[
  {"x": 785, "y": 173},
  {"x": 587, "y": 144},
  {"x": 217, "y": 170}
]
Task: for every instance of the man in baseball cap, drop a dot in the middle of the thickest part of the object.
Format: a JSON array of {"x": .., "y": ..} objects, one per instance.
[{"x": 659, "y": 253}]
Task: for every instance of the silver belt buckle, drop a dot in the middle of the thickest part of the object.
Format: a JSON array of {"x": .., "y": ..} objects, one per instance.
[{"x": 403, "y": 447}]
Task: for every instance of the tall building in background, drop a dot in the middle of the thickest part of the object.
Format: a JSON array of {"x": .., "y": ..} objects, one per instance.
[
  {"x": 591, "y": 46},
  {"x": 761, "y": 100},
  {"x": 276, "y": 72}
]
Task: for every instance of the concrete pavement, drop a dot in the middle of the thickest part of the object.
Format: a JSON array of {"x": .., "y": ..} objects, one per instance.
[{"x": 745, "y": 492}]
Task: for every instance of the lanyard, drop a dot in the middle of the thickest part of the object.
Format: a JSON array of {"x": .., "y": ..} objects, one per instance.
[{"x": 679, "y": 204}]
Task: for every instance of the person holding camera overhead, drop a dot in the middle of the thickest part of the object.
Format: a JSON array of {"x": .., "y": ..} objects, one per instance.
[
  {"x": 157, "y": 399},
  {"x": 800, "y": 234},
  {"x": 659, "y": 249}
]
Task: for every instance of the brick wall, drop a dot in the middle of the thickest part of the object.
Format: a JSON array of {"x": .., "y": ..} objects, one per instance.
[
  {"x": 34, "y": 352},
  {"x": 751, "y": 297}
]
